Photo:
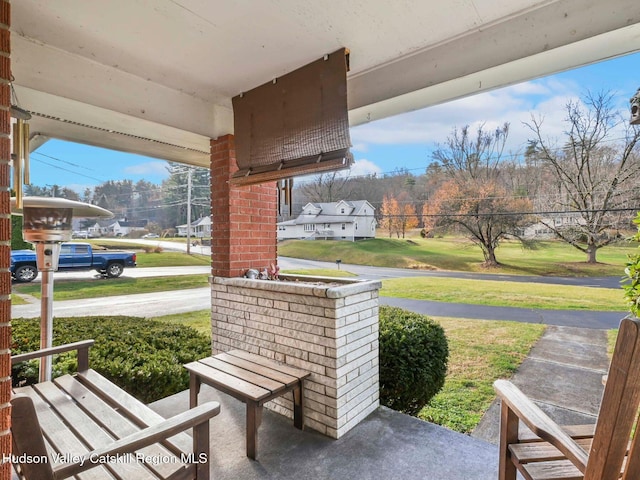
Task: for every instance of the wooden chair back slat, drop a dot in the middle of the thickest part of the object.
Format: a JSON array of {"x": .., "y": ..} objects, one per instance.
[
  {"x": 619, "y": 406},
  {"x": 632, "y": 470},
  {"x": 25, "y": 422}
]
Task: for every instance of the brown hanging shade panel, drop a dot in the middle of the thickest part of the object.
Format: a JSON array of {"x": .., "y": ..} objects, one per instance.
[{"x": 295, "y": 125}]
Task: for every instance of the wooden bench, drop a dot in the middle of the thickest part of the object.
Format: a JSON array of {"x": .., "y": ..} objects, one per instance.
[
  {"x": 608, "y": 452},
  {"x": 85, "y": 425},
  {"x": 251, "y": 379}
]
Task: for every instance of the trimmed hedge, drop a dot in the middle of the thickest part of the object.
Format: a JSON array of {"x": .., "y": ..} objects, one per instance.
[
  {"x": 143, "y": 357},
  {"x": 414, "y": 353}
]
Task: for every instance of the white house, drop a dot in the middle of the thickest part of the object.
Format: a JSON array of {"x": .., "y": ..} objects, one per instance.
[
  {"x": 343, "y": 220},
  {"x": 200, "y": 228},
  {"x": 116, "y": 228},
  {"x": 541, "y": 229}
]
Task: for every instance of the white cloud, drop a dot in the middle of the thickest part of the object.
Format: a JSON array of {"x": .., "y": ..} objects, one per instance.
[
  {"x": 360, "y": 147},
  {"x": 515, "y": 104},
  {"x": 148, "y": 168},
  {"x": 364, "y": 167}
]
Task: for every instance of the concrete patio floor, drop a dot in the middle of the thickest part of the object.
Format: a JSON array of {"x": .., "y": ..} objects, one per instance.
[{"x": 386, "y": 445}]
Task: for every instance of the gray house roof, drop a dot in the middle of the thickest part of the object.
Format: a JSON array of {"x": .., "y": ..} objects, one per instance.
[{"x": 330, "y": 212}]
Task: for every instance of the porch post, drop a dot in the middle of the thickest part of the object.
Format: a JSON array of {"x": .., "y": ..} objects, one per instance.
[
  {"x": 243, "y": 219},
  {"x": 5, "y": 240}
]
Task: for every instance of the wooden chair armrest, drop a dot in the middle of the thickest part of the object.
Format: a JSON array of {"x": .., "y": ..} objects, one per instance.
[
  {"x": 82, "y": 347},
  {"x": 148, "y": 436},
  {"x": 540, "y": 423}
]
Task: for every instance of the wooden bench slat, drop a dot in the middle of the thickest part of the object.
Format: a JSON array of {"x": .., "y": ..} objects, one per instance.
[
  {"x": 272, "y": 373},
  {"x": 233, "y": 384},
  {"x": 116, "y": 424},
  {"x": 256, "y": 378},
  {"x": 294, "y": 372},
  {"x": 58, "y": 436},
  {"x": 90, "y": 432},
  {"x": 133, "y": 408}
]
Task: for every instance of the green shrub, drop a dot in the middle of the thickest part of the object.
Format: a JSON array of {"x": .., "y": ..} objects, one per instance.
[
  {"x": 143, "y": 357},
  {"x": 632, "y": 276},
  {"x": 413, "y": 359}
]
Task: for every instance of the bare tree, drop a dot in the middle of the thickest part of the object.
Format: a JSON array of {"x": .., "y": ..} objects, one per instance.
[
  {"x": 326, "y": 187},
  {"x": 475, "y": 198},
  {"x": 593, "y": 173}
]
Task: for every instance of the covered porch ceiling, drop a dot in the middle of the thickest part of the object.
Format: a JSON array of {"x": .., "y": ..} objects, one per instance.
[{"x": 156, "y": 77}]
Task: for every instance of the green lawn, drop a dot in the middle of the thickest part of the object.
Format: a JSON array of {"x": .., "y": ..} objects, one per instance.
[
  {"x": 171, "y": 259},
  {"x": 320, "y": 272},
  {"x": 79, "y": 289},
  {"x": 548, "y": 258},
  {"x": 480, "y": 352},
  {"x": 505, "y": 294},
  {"x": 16, "y": 300}
]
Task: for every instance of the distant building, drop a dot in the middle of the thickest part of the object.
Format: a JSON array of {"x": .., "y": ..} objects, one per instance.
[
  {"x": 200, "y": 228},
  {"x": 116, "y": 228},
  {"x": 541, "y": 229},
  {"x": 343, "y": 220}
]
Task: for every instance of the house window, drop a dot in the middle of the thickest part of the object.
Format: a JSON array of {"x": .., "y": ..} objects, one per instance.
[
  {"x": 356, "y": 225},
  {"x": 308, "y": 227},
  {"x": 344, "y": 226},
  {"x": 342, "y": 210}
]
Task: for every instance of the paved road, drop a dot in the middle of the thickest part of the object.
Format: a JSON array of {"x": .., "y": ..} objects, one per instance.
[
  {"x": 381, "y": 273},
  {"x": 565, "y": 318},
  {"x": 139, "y": 305},
  {"x": 181, "y": 301},
  {"x": 162, "y": 303}
]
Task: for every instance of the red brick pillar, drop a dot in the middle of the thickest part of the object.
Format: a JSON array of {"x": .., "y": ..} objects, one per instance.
[
  {"x": 5, "y": 241},
  {"x": 243, "y": 219}
]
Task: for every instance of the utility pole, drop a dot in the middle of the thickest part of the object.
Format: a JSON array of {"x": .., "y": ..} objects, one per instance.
[{"x": 189, "y": 172}]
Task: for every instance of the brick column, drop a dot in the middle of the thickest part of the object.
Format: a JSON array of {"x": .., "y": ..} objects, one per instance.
[
  {"x": 5, "y": 240},
  {"x": 243, "y": 219}
]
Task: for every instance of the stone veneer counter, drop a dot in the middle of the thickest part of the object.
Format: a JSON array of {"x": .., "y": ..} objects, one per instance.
[{"x": 327, "y": 326}]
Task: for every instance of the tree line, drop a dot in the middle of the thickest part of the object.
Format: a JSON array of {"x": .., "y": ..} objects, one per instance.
[
  {"x": 163, "y": 206},
  {"x": 581, "y": 187}
]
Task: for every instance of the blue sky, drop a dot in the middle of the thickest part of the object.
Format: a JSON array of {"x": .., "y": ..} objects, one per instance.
[{"x": 403, "y": 141}]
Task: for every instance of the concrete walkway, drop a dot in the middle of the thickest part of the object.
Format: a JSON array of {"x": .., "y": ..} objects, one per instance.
[{"x": 562, "y": 374}]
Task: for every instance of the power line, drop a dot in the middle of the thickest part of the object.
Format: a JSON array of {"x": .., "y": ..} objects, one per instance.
[
  {"x": 63, "y": 161},
  {"x": 67, "y": 170}
]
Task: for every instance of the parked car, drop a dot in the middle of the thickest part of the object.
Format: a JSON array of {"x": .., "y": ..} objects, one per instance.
[
  {"x": 73, "y": 256},
  {"x": 151, "y": 235}
]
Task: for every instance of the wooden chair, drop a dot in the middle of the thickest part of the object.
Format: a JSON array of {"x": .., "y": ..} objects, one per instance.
[
  {"x": 555, "y": 453},
  {"x": 85, "y": 425}
]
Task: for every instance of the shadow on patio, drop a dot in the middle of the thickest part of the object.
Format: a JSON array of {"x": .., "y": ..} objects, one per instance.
[{"x": 386, "y": 445}]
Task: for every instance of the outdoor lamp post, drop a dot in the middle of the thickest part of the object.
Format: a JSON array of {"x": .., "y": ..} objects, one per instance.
[{"x": 47, "y": 223}]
